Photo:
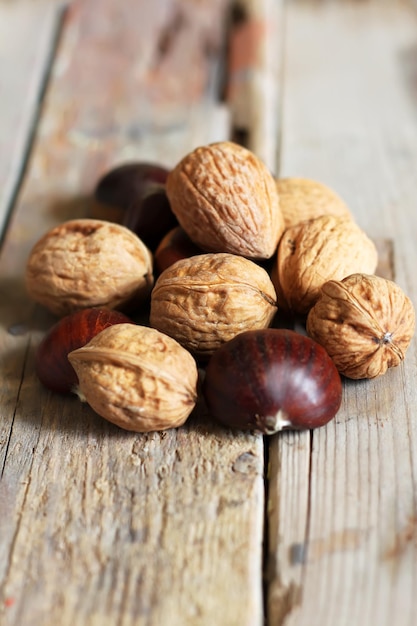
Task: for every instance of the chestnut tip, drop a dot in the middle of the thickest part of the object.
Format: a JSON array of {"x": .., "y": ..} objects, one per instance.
[{"x": 272, "y": 424}]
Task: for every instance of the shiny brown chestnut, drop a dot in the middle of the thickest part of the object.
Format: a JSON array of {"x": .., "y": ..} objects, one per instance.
[
  {"x": 150, "y": 216},
  {"x": 125, "y": 182},
  {"x": 137, "y": 189},
  {"x": 270, "y": 380},
  {"x": 71, "y": 332},
  {"x": 174, "y": 246}
]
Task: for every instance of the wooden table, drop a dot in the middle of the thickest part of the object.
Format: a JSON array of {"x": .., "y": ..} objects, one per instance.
[{"x": 201, "y": 526}]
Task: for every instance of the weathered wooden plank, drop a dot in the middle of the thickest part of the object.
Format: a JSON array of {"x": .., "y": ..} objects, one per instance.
[
  {"x": 254, "y": 75},
  {"x": 100, "y": 526},
  {"x": 23, "y": 67},
  {"x": 343, "y": 529}
]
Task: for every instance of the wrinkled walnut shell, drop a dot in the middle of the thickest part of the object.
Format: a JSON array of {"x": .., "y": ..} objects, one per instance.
[
  {"x": 226, "y": 200},
  {"x": 315, "y": 251},
  {"x": 206, "y": 300},
  {"x": 136, "y": 378},
  {"x": 364, "y": 322},
  {"x": 302, "y": 199},
  {"x": 88, "y": 263}
]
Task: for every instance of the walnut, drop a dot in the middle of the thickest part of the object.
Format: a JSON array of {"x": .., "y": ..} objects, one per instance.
[
  {"x": 226, "y": 200},
  {"x": 302, "y": 199},
  {"x": 317, "y": 250},
  {"x": 137, "y": 378},
  {"x": 206, "y": 300},
  {"x": 364, "y": 322},
  {"x": 84, "y": 262}
]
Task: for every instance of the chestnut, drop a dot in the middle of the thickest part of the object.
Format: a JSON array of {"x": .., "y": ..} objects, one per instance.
[
  {"x": 270, "y": 380},
  {"x": 174, "y": 246},
  {"x": 150, "y": 216},
  {"x": 125, "y": 182},
  {"x": 137, "y": 189},
  {"x": 71, "y": 332}
]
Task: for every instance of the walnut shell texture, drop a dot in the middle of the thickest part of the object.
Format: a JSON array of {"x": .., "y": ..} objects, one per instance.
[
  {"x": 364, "y": 322},
  {"x": 226, "y": 200},
  {"x": 303, "y": 199},
  {"x": 206, "y": 300},
  {"x": 85, "y": 262},
  {"x": 137, "y": 378},
  {"x": 315, "y": 251}
]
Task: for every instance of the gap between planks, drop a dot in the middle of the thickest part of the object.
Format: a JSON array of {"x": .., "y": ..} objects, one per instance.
[{"x": 24, "y": 73}]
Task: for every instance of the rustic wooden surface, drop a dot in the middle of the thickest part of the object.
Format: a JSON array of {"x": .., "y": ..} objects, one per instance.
[
  {"x": 163, "y": 528},
  {"x": 102, "y": 527},
  {"x": 343, "y": 499}
]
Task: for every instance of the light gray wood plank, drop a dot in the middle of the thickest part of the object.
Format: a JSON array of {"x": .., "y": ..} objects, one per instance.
[
  {"x": 27, "y": 36},
  {"x": 349, "y": 120}
]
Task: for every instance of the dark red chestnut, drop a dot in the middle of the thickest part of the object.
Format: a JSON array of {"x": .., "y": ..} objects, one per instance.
[
  {"x": 71, "y": 332},
  {"x": 174, "y": 246},
  {"x": 138, "y": 189},
  {"x": 124, "y": 183},
  {"x": 150, "y": 216},
  {"x": 270, "y": 380}
]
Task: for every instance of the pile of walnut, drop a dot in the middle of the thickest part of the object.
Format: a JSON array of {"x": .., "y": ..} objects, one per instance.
[{"x": 232, "y": 248}]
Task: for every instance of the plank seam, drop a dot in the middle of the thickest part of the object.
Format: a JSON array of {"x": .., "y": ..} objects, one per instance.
[
  {"x": 22, "y": 375},
  {"x": 33, "y": 125},
  {"x": 28, "y": 481},
  {"x": 266, "y": 537},
  {"x": 308, "y": 511}
]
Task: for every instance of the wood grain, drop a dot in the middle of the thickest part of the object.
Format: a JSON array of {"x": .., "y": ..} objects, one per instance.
[
  {"x": 342, "y": 529},
  {"x": 22, "y": 73},
  {"x": 254, "y": 76},
  {"x": 100, "y": 526}
]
